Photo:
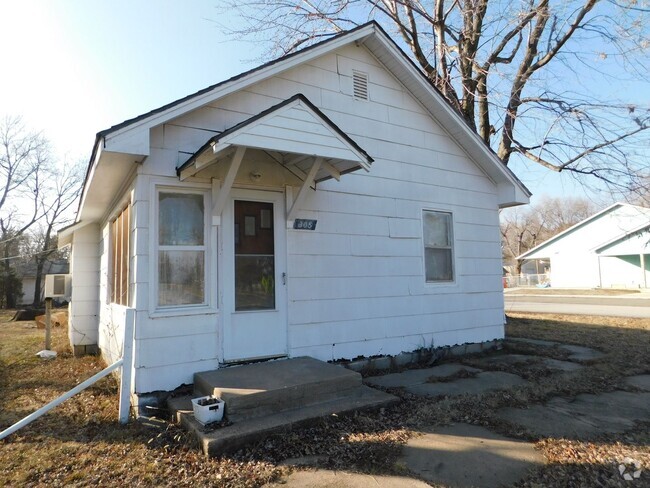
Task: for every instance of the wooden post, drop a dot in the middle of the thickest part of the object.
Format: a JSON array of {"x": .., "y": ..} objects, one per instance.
[{"x": 48, "y": 324}]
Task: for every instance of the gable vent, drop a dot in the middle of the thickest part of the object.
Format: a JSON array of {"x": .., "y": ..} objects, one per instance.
[{"x": 360, "y": 85}]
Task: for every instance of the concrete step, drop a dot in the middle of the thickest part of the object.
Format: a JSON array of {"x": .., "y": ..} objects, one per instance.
[
  {"x": 262, "y": 389},
  {"x": 219, "y": 441}
]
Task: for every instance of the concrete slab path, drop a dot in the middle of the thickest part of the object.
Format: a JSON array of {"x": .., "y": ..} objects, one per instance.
[
  {"x": 576, "y": 353},
  {"x": 322, "y": 478},
  {"x": 533, "y": 361},
  {"x": 463, "y": 455},
  {"x": 418, "y": 376},
  {"x": 419, "y": 381},
  {"x": 583, "y": 417},
  {"x": 482, "y": 382},
  {"x": 642, "y": 381}
]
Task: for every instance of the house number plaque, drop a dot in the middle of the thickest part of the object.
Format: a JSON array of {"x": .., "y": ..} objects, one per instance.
[{"x": 305, "y": 224}]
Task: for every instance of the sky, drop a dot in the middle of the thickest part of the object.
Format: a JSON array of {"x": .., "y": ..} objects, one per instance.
[
  {"x": 74, "y": 67},
  {"x": 71, "y": 68}
]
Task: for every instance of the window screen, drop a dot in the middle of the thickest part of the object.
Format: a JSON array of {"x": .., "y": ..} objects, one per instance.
[{"x": 438, "y": 246}]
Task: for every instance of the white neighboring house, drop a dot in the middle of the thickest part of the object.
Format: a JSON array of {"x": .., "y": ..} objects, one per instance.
[
  {"x": 610, "y": 249},
  {"x": 327, "y": 204},
  {"x": 27, "y": 273}
]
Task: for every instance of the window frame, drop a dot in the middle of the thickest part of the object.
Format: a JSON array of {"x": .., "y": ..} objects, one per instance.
[
  {"x": 156, "y": 248},
  {"x": 451, "y": 247},
  {"x": 118, "y": 250}
]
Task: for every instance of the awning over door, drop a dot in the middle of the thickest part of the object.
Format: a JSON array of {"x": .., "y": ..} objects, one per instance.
[{"x": 295, "y": 134}]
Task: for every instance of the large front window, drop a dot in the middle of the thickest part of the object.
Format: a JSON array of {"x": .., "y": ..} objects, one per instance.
[
  {"x": 438, "y": 246},
  {"x": 181, "y": 249}
]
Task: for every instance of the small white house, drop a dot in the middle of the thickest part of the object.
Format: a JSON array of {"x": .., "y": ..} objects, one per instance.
[
  {"x": 328, "y": 204},
  {"x": 610, "y": 249}
]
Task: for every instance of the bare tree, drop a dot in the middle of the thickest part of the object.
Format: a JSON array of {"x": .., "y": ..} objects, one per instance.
[
  {"x": 534, "y": 78},
  {"x": 23, "y": 157},
  {"x": 524, "y": 228},
  {"x": 60, "y": 191}
]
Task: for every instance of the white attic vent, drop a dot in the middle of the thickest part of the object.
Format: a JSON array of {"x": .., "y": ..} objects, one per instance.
[{"x": 360, "y": 85}]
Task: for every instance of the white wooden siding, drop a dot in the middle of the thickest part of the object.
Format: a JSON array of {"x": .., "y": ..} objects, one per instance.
[
  {"x": 84, "y": 266},
  {"x": 355, "y": 284}
]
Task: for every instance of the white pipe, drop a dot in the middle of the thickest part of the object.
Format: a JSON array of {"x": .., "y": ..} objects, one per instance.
[{"x": 43, "y": 410}]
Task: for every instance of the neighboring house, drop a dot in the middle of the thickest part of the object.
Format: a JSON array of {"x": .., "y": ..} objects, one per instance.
[
  {"x": 27, "y": 273},
  {"x": 610, "y": 249},
  {"x": 327, "y": 204}
]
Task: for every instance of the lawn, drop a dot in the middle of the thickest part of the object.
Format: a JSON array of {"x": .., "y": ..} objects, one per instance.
[{"x": 80, "y": 442}]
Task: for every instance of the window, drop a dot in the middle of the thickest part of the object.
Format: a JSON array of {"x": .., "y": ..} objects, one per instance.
[
  {"x": 438, "y": 246},
  {"x": 181, "y": 249},
  {"x": 120, "y": 233}
]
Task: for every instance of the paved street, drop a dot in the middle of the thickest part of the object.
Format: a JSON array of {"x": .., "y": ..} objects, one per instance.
[{"x": 619, "y": 306}]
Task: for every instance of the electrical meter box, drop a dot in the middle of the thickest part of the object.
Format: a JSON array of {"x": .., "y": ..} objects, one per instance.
[{"x": 57, "y": 285}]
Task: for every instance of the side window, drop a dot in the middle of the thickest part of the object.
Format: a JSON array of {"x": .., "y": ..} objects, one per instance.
[
  {"x": 120, "y": 233},
  {"x": 438, "y": 246},
  {"x": 181, "y": 249}
]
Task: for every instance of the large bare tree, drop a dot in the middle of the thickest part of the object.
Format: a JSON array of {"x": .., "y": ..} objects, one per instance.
[
  {"x": 60, "y": 191},
  {"x": 23, "y": 157},
  {"x": 535, "y": 78}
]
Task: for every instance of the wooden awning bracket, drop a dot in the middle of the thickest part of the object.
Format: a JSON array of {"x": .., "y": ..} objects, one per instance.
[
  {"x": 302, "y": 193},
  {"x": 222, "y": 193}
]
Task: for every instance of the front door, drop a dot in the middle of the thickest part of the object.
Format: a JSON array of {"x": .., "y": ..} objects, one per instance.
[{"x": 254, "y": 291}]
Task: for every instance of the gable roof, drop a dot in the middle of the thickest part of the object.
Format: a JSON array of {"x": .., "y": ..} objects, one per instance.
[
  {"x": 579, "y": 225},
  {"x": 131, "y": 136},
  {"x": 305, "y": 130},
  {"x": 636, "y": 231}
]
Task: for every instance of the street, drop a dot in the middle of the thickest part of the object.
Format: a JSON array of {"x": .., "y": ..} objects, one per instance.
[{"x": 619, "y": 306}]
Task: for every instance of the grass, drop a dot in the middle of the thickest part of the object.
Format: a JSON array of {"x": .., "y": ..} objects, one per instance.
[{"x": 80, "y": 443}]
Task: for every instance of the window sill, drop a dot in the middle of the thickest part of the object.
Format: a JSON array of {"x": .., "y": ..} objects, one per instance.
[{"x": 183, "y": 311}]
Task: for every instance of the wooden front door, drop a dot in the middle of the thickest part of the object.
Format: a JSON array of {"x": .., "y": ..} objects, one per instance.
[{"x": 255, "y": 315}]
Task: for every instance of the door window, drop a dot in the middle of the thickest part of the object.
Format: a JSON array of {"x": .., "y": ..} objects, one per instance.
[{"x": 254, "y": 256}]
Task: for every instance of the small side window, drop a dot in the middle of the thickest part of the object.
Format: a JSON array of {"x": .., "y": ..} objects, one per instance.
[
  {"x": 438, "y": 246},
  {"x": 119, "y": 278}
]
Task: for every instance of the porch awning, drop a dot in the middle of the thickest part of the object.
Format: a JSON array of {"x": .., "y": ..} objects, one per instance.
[{"x": 295, "y": 133}]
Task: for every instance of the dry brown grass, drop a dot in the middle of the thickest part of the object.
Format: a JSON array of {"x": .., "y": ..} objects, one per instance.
[{"x": 80, "y": 443}]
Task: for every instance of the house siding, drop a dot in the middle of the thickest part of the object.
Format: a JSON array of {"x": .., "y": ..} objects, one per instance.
[
  {"x": 85, "y": 269},
  {"x": 356, "y": 284}
]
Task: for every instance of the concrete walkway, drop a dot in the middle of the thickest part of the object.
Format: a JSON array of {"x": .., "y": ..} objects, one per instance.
[
  {"x": 463, "y": 455},
  {"x": 432, "y": 382}
]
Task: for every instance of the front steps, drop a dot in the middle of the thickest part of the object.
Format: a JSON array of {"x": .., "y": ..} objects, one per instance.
[{"x": 271, "y": 397}]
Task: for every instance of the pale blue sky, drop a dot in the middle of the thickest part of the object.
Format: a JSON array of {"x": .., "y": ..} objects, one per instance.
[{"x": 74, "y": 67}]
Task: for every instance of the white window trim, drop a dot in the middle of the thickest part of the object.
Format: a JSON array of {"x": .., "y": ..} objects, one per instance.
[
  {"x": 209, "y": 238},
  {"x": 439, "y": 284}
]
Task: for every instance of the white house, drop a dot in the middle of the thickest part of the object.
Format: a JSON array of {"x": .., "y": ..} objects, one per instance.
[
  {"x": 328, "y": 204},
  {"x": 610, "y": 249},
  {"x": 27, "y": 274}
]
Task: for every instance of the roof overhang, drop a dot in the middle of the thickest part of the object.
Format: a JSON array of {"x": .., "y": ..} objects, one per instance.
[
  {"x": 65, "y": 235},
  {"x": 107, "y": 174},
  {"x": 131, "y": 137},
  {"x": 633, "y": 242},
  {"x": 294, "y": 132}
]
